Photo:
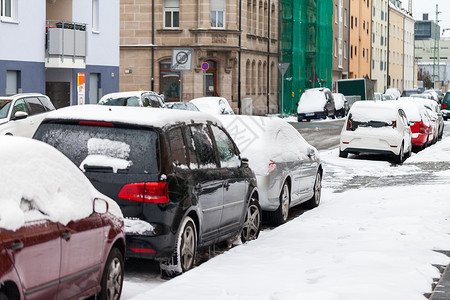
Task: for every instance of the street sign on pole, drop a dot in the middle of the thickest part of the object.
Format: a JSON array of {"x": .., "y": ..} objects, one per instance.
[
  {"x": 182, "y": 59},
  {"x": 283, "y": 68}
]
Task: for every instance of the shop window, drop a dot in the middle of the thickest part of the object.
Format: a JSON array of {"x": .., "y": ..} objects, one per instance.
[{"x": 170, "y": 81}]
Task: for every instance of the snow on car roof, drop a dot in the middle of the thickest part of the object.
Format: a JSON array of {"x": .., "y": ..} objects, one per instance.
[
  {"x": 281, "y": 141},
  {"x": 37, "y": 179},
  {"x": 383, "y": 111},
  {"x": 212, "y": 105},
  {"x": 156, "y": 117},
  {"x": 312, "y": 101}
]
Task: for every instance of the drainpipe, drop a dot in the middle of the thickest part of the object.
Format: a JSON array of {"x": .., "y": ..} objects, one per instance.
[
  {"x": 268, "y": 58},
  {"x": 239, "y": 57},
  {"x": 153, "y": 46}
]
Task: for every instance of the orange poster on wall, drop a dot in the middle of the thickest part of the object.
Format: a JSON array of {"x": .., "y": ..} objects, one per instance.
[{"x": 81, "y": 87}]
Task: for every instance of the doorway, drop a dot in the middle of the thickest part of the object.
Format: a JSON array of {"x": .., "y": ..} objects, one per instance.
[
  {"x": 210, "y": 79},
  {"x": 59, "y": 93}
]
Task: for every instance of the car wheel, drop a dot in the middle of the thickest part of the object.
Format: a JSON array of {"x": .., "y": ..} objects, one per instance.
[
  {"x": 409, "y": 152},
  {"x": 343, "y": 154},
  {"x": 112, "y": 278},
  {"x": 333, "y": 116},
  {"x": 185, "y": 251},
  {"x": 398, "y": 159},
  {"x": 252, "y": 224},
  {"x": 3, "y": 296},
  {"x": 315, "y": 200},
  {"x": 280, "y": 216}
]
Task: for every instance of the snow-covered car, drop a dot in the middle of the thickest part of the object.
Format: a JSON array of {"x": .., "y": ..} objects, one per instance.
[
  {"x": 317, "y": 103},
  {"x": 21, "y": 114},
  {"x": 376, "y": 127},
  {"x": 177, "y": 176},
  {"x": 182, "y": 106},
  {"x": 434, "y": 110},
  {"x": 213, "y": 105},
  {"x": 134, "y": 98},
  {"x": 421, "y": 127},
  {"x": 423, "y": 96},
  {"x": 340, "y": 104},
  {"x": 377, "y": 96},
  {"x": 445, "y": 106},
  {"x": 59, "y": 237},
  {"x": 395, "y": 92},
  {"x": 434, "y": 95},
  {"x": 288, "y": 169},
  {"x": 387, "y": 97}
]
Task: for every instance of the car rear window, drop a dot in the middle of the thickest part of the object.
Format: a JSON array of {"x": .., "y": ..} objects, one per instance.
[{"x": 104, "y": 149}]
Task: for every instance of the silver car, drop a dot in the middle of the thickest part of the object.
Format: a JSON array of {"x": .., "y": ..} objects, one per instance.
[{"x": 288, "y": 170}]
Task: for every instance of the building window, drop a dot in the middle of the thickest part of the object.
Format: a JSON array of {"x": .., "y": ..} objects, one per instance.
[
  {"x": 345, "y": 50},
  {"x": 351, "y": 22},
  {"x": 260, "y": 22},
  {"x": 345, "y": 17},
  {"x": 336, "y": 14},
  {"x": 248, "y": 76},
  {"x": 7, "y": 9},
  {"x": 218, "y": 8},
  {"x": 171, "y": 13},
  {"x": 335, "y": 47},
  {"x": 95, "y": 16},
  {"x": 249, "y": 16},
  {"x": 170, "y": 81},
  {"x": 351, "y": 51}
]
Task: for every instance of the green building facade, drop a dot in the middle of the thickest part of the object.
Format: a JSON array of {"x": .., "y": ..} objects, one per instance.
[{"x": 306, "y": 44}]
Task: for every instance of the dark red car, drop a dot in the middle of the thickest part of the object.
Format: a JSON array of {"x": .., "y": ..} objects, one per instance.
[
  {"x": 422, "y": 128},
  {"x": 59, "y": 237}
]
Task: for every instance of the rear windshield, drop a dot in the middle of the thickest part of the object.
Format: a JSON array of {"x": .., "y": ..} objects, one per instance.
[
  {"x": 4, "y": 108},
  {"x": 104, "y": 149},
  {"x": 122, "y": 101}
]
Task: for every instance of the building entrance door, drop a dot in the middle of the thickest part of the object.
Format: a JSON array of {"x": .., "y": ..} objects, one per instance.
[
  {"x": 59, "y": 93},
  {"x": 210, "y": 80}
]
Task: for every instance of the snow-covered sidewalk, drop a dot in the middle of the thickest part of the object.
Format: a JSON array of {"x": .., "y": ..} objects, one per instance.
[{"x": 367, "y": 242}]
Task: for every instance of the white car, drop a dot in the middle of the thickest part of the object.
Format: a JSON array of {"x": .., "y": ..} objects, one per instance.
[
  {"x": 21, "y": 114},
  {"x": 288, "y": 170},
  {"x": 394, "y": 92},
  {"x": 134, "y": 98},
  {"x": 340, "y": 104},
  {"x": 213, "y": 105},
  {"x": 376, "y": 127},
  {"x": 433, "y": 93}
]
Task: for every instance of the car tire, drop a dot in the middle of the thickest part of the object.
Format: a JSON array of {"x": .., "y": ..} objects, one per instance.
[
  {"x": 252, "y": 223},
  {"x": 3, "y": 296},
  {"x": 333, "y": 116},
  {"x": 398, "y": 159},
  {"x": 408, "y": 155},
  {"x": 343, "y": 154},
  {"x": 315, "y": 199},
  {"x": 112, "y": 278},
  {"x": 185, "y": 254},
  {"x": 280, "y": 216}
]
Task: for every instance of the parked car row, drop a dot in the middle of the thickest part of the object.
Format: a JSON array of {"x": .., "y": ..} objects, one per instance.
[
  {"x": 320, "y": 103},
  {"x": 159, "y": 183},
  {"x": 394, "y": 128}
]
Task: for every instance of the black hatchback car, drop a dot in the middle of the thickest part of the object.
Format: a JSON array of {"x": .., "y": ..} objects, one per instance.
[{"x": 176, "y": 175}]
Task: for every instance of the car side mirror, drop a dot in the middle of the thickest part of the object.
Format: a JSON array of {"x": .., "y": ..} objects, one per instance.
[
  {"x": 244, "y": 162},
  {"x": 310, "y": 152},
  {"x": 19, "y": 115},
  {"x": 101, "y": 206},
  {"x": 411, "y": 123}
]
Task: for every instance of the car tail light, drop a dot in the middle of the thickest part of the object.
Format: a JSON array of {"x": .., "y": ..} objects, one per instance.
[
  {"x": 94, "y": 123},
  {"x": 142, "y": 250},
  {"x": 272, "y": 166},
  {"x": 443, "y": 105},
  {"x": 147, "y": 192},
  {"x": 349, "y": 125},
  {"x": 422, "y": 128}
]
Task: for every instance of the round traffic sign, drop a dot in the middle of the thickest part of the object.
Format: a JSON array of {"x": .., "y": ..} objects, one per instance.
[{"x": 205, "y": 66}]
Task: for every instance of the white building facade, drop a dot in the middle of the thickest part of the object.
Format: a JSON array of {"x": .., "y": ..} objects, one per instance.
[
  {"x": 408, "y": 53},
  {"x": 379, "y": 44},
  {"x": 53, "y": 46}
]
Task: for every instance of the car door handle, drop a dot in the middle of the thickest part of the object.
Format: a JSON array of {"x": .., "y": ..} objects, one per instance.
[
  {"x": 66, "y": 235},
  {"x": 17, "y": 245}
]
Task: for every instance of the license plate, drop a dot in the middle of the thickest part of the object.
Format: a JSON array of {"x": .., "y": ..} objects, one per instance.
[{"x": 309, "y": 114}]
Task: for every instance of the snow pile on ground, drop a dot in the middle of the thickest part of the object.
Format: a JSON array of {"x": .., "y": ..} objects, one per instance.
[{"x": 375, "y": 242}]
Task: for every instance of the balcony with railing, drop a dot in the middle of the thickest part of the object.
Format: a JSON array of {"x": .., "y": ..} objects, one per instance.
[{"x": 66, "y": 45}]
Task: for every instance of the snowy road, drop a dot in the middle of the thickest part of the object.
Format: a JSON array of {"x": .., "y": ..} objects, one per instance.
[{"x": 372, "y": 237}]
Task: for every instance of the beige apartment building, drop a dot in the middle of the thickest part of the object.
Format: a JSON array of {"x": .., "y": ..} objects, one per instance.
[
  {"x": 195, "y": 48},
  {"x": 396, "y": 48},
  {"x": 379, "y": 44}
]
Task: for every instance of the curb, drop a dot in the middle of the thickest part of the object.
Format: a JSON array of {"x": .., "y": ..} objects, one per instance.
[{"x": 442, "y": 288}]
